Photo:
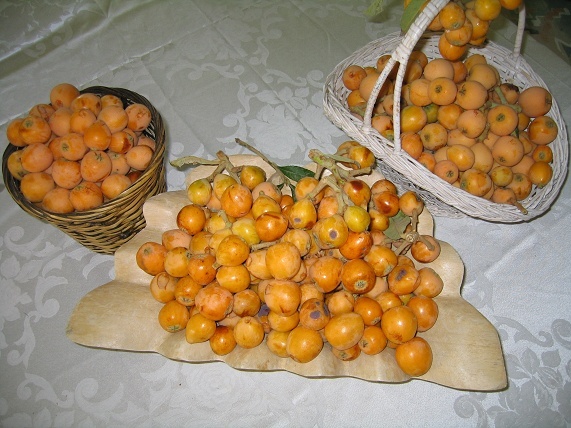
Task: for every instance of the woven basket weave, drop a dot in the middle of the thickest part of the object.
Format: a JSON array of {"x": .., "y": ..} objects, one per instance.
[
  {"x": 442, "y": 198},
  {"x": 107, "y": 227}
]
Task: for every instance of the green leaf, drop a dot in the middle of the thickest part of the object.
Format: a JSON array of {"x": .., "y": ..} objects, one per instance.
[
  {"x": 359, "y": 109},
  {"x": 375, "y": 8},
  {"x": 397, "y": 226},
  {"x": 410, "y": 14},
  {"x": 296, "y": 173}
]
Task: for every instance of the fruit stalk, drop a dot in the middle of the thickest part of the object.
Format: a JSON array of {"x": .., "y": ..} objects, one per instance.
[{"x": 282, "y": 176}]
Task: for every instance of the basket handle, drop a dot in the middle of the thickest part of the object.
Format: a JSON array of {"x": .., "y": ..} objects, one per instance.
[
  {"x": 520, "y": 29},
  {"x": 402, "y": 54}
]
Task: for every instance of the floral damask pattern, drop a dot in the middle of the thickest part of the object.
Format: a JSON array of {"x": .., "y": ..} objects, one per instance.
[
  {"x": 249, "y": 69},
  {"x": 539, "y": 393},
  {"x": 286, "y": 119}
]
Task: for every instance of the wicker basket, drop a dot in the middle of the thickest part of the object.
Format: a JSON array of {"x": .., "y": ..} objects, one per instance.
[
  {"x": 107, "y": 227},
  {"x": 442, "y": 198}
]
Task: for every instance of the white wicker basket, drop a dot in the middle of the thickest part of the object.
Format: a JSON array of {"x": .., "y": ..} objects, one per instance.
[{"x": 441, "y": 198}]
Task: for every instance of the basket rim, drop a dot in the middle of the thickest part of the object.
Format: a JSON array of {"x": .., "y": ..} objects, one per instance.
[{"x": 157, "y": 162}]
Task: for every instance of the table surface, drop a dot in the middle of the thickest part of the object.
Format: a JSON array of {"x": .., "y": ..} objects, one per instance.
[{"x": 252, "y": 69}]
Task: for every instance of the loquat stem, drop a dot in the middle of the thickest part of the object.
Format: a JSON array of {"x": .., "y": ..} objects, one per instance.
[
  {"x": 414, "y": 219},
  {"x": 426, "y": 242},
  {"x": 228, "y": 166},
  {"x": 224, "y": 216},
  {"x": 504, "y": 101},
  {"x": 404, "y": 245},
  {"x": 360, "y": 171},
  {"x": 342, "y": 152},
  {"x": 420, "y": 237},
  {"x": 318, "y": 171},
  {"x": 518, "y": 205},
  {"x": 284, "y": 178},
  {"x": 327, "y": 162},
  {"x": 221, "y": 166},
  {"x": 192, "y": 160},
  {"x": 238, "y": 169},
  {"x": 484, "y": 133},
  {"x": 343, "y": 202},
  {"x": 500, "y": 94},
  {"x": 262, "y": 245},
  {"x": 413, "y": 236},
  {"x": 322, "y": 184}
]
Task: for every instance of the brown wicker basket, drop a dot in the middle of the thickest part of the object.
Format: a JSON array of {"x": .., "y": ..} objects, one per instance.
[
  {"x": 107, "y": 227},
  {"x": 441, "y": 198}
]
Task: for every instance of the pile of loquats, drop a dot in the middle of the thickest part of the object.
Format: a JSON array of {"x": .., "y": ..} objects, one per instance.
[
  {"x": 80, "y": 150},
  {"x": 311, "y": 261},
  {"x": 463, "y": 23},
  {"x": 458, "y": 118}
]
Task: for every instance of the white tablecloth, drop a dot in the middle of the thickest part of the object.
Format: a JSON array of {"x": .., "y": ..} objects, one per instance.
[{"x": 252, "y": 69}]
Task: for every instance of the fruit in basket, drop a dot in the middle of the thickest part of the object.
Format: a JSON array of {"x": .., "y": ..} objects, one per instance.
[
  {"x": 34, "y": 129},
  {"x": 508, "y": 150},
  {"x": 13, "y": 133},
  {"x": 36, "y": 157},
  {"x": 80, "y": 120},
  {"x": 540, "y": 173},
  {"x": 87, "y": 101},
  {"x": 66, "y": 174},
  {"x": 86, "y": 196},
  {"x": 462, "y": 23},
  {"x": 35, "y": 185},
  {"x": 95, "y": 166},
  {"x": 488, "y": 10},
  {"x": 353, "y": 75},
  {"x": 452, "y": 16},
  {"x": 58, "y": 201},
  {"x": 139, "y": 117},
  {"x": 535, "y": 101},
  {"x": 114, "y": 184},
  {"x": 450, "y": 51},
  {"x": 97, "y": 136},
  {"x": 139, "y": 157},
  {"x": 86, "y": 129},
  {"x": 442, "y": 91},
  {"x": 63, "y": 94},
  {"x": 488, "y": 125},
  {"x": 476, "y": 182},
  {"x": 502, "y": 120},
  {"x": 542, "y": 130},
  {"x": 446, "y": 170}
]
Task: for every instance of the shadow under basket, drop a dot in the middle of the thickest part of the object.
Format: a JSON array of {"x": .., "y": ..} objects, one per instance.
[{"x": 105, "y": 228}]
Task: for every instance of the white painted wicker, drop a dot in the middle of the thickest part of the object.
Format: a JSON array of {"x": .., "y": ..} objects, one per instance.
[{"x": 441, "y": 198}]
